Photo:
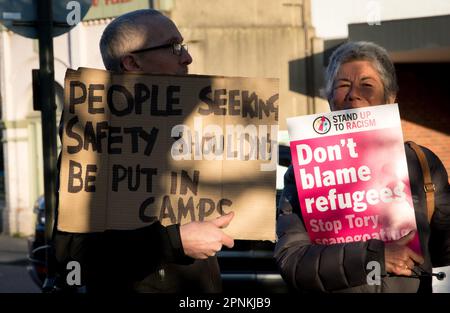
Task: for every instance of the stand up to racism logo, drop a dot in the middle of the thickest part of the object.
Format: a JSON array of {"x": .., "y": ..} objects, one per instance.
[{"x": 321, "y": 125}]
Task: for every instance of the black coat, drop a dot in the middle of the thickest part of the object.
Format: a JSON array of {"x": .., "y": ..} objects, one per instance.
[
  {"x": 342, "y": 267},
  {"x": 148, "y": 259}
]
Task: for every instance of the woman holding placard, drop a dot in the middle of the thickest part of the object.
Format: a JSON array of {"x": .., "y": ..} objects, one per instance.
[{"x": 359, "y": 75}]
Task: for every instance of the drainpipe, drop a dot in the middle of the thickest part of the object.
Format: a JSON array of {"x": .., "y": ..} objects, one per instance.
[{"x": 309, "y": 61}]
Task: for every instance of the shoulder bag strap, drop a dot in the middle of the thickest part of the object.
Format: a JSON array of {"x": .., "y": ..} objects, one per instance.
[{"x": 428, "y": 186}]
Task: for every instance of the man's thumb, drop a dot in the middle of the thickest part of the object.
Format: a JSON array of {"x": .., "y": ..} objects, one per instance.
[
  {"x": 224, "y": 220},
  {"x": 407, "y": 238}
]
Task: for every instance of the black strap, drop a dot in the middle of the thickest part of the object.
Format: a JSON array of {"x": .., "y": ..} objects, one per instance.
[{"x": 428, "y": 185}]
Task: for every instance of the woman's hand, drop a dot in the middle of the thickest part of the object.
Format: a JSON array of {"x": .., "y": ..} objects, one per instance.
[{"x": 398, "y": 258}]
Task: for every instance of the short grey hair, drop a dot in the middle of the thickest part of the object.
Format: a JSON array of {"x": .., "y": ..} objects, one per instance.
[
  {"x": 124, "y": 34},
  {"x": 362, "y": 50}
]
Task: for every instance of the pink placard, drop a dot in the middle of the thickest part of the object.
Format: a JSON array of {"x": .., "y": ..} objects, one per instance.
[{"x": 352, "y": 177}]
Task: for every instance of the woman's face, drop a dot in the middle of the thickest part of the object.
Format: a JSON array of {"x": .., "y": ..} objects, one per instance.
[{"x": 357, "y": 85}]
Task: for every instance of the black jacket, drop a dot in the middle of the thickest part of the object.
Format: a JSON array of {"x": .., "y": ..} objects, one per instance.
[
  {"x": 148, "y": 259},
  {"x": 342, "y": 267}
]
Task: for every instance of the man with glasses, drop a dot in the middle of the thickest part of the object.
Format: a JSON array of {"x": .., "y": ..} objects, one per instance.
[{"x": 153, "y": 258}]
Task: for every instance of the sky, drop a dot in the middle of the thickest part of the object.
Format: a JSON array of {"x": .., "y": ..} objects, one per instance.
[{"x": 330, "y": 17}]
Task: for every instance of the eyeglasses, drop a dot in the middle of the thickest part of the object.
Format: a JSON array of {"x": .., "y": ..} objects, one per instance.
[{"x": 177, "y": 48}]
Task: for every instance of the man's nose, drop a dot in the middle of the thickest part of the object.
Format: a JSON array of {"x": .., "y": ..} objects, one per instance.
[{"x": 186, "y": 57}]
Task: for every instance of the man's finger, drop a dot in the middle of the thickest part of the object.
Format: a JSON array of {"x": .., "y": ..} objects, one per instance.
[
  {"x": 223, "y": 220},
  {"x": 227, "y": 241},
  {"x": 407, "y": 238}
]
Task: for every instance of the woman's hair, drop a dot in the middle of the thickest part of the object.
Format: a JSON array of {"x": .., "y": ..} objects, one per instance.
[
  {"x": 367, "y": 51},
  {"x": 124, "y": 34}
]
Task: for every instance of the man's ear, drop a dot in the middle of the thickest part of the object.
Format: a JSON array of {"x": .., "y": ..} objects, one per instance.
[{"x": 129, "y": 64}]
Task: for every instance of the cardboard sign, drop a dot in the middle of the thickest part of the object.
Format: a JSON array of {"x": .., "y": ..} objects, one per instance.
[
  {"x": 351, "y": 175},
  {"x": 139, "y": 148}
]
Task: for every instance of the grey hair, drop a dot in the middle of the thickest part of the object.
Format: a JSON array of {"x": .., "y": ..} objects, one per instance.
[
  {"x": 362, "y": 50},
  {"x": 124, "y": 34}
]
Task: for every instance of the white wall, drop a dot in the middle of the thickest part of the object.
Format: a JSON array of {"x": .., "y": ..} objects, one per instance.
[
  {"x": 18, "y": 58},
  {"x": 84, "y": 43},
  {"x": 331, "y": 17},
  {"x": 21, "y": 138}
]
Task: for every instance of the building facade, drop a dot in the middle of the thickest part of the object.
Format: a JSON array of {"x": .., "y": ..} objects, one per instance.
[{"x": 251, "y": 38}]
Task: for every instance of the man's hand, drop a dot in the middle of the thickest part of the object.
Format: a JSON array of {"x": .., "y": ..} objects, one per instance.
[
  {"x": 398, "y": 258},
  {"x": 203, "y": 239}
]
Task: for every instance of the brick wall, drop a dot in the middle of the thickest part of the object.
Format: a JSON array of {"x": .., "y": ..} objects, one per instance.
[{"x": 424, "y": 102}]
